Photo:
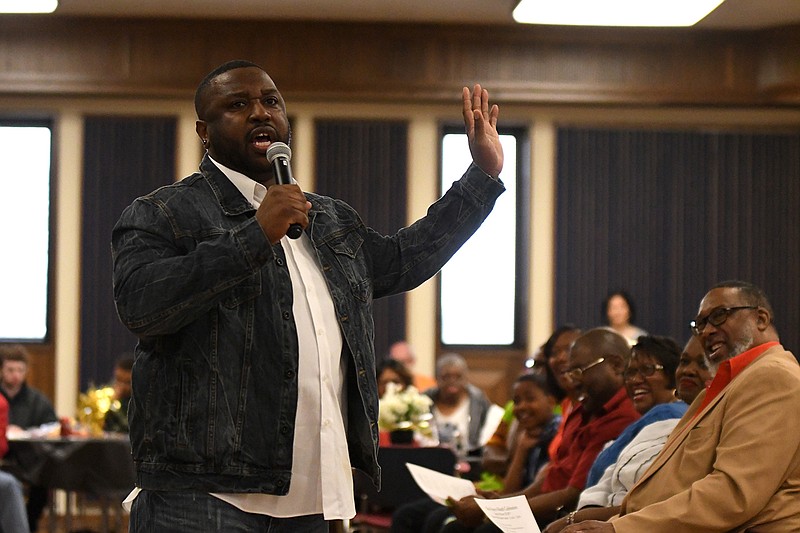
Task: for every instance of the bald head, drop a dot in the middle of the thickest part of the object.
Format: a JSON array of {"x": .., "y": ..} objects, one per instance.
[
  {"x": 596, "y": 362},
  {"x": 606, "y": 342}
]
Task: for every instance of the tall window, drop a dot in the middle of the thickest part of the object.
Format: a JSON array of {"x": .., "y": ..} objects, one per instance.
[
  {"x": 25, "y": 150},
  {"x": 479, "y": 284}
]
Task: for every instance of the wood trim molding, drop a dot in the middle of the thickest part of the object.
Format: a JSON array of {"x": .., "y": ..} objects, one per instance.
[{"x": 402, "y": 62}]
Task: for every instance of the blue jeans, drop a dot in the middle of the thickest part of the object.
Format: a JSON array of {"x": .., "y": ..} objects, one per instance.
[
  {"x": 199, "y": 512},
  {"x": 12, "y": 505}
]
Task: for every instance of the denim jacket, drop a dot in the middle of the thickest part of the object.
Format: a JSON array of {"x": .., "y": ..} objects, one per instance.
[{"x": 215, "y": 378}]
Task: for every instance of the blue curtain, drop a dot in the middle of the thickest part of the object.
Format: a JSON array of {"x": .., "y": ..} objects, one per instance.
[
  {"x": 364, "y": 163},
  {"x": 665, "y": 215},
  {"x": 123, "y": 157}
]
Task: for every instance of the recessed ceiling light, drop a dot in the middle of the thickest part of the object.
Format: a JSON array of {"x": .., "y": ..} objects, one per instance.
[
  {"x": 614, "y": 12},
  {"x": 28, "y": 6}
]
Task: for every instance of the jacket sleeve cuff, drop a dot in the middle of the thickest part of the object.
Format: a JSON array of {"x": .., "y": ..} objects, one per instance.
[{"x": 255, "y": 246}]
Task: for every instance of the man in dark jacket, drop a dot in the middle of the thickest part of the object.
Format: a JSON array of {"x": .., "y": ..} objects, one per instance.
[
  {"x": 28, "y": 406},
  {"x": 254, "y": 381}
]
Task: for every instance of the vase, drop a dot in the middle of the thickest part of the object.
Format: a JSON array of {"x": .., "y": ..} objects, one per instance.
[{"x": 402, "y": 436}]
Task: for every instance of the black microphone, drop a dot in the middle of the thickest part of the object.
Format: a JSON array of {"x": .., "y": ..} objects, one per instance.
[{"x": 279, "y": 154}]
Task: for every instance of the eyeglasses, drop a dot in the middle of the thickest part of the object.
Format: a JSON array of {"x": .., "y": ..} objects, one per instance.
[
  {"x": 577, "y": 373},
  {"x": 645, "y": 371},
  {"x": 716, "y": 318}
]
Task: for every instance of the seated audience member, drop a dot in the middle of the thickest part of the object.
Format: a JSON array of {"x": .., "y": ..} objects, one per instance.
[
  {"x": 692, "y": 375},
  {"x": 533, "y": 409},
  {"x": 116, "y": 420},
  {"x": 12, "y": 500},
  {"x": 537, "y": 425},
  {"x": 733, "y": 461},
  {"x": 619, "y": 314},
  {"x": 601, "y": 501},
  {"x": 392, "y": 371},
  {"x": 553, "y": 362},
  {"x": 459, "y": 408},
  {"x": 495, "y": 457},
  {"x": 556, "y": 350},
  {"x": 28, "y": 407},
  {"x": 596, "y": 363},
  {"x": 650, "y": 383},
  {"x": 403, "y": 352}
]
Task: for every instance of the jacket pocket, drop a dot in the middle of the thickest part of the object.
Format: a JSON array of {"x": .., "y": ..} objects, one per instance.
[
  {"x": 698, "y": 451},
  {"x": 347, "y": 251}
]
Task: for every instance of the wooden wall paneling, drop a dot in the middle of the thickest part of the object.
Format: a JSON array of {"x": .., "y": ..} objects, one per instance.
[
  {"x": 403, "y": 62},
  {"x": 42, "y": 368},
  {"x": 778, "y": 67},
  {"x": 61, "y": 55},
  {"x": 493, "y": 372}
]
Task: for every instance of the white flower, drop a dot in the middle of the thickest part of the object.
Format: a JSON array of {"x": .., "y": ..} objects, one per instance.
[{"x": 403, "y": 409}]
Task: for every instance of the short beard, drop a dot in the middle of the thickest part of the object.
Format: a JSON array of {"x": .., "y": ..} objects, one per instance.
[{"x": 744, "y": 343}]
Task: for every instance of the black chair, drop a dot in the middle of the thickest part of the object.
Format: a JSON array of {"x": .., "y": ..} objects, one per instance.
[{"x": 397, "y": 486}]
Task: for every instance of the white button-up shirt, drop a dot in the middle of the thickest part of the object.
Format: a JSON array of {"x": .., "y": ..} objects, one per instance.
[{"x": 320, "y": 483}]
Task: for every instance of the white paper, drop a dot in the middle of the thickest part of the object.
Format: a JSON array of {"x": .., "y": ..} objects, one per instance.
[
  {"x": 440, "y": 486},
  {"x": 511, "y": 515},
  {"x": 493, "y": 417},
  {"x": 127, "y": 503}
]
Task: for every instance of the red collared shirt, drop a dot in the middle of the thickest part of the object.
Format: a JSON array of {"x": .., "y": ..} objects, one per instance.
[
  {"x": 729, "y": 369},
  {"x": 584, "y": 439},
  {"x": 3, "y": 425}
]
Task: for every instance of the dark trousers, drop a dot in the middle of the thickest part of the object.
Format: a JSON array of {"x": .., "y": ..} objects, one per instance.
[
  {"x": 199, "y": 512},
  {"x": 420, "y": 516}
]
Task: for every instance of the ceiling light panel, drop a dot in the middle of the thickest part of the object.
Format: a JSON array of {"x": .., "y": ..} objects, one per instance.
[
  {"x": 666, "y": 13},
  {"x": 28, "y": 6}
]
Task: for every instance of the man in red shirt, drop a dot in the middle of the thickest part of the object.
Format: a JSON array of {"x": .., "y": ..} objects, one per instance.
[
  {"x": 12, "y": 505},
  {"x": 3, "y": 426},
  {"x": 596, "y": 362},
  {"x": 733, "y": 461}
]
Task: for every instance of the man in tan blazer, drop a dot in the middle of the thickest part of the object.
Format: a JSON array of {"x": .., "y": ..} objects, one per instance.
[{"x": 732, "y": 464}]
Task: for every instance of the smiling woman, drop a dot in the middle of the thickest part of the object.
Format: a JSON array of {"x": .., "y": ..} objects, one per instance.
[
  {"x": 650, "y": 384},
  {"x": 26, "y": 153}
]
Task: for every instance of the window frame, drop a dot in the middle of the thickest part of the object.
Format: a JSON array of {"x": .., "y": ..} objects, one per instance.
[
  {"x": 522, "y": 246},
  {"x": 49, "y": 123}
]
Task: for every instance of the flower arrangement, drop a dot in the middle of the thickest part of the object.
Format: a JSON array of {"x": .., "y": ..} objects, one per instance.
[
  {"x": 404, "y": 409},
  {"x": 93, "y": 406}
]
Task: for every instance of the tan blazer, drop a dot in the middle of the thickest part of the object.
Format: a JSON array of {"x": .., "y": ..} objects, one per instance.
[{"x": 733, "y": 468}]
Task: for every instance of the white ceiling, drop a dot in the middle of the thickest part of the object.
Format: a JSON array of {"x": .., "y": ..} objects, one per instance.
[{"x": 740, "y": 14}]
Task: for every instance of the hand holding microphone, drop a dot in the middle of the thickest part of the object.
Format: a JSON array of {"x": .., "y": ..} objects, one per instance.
[{"x": 279, "y": 154}]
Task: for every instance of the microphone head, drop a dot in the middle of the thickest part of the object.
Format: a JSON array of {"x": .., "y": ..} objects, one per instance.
[{"x": 278, "y": 149}]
